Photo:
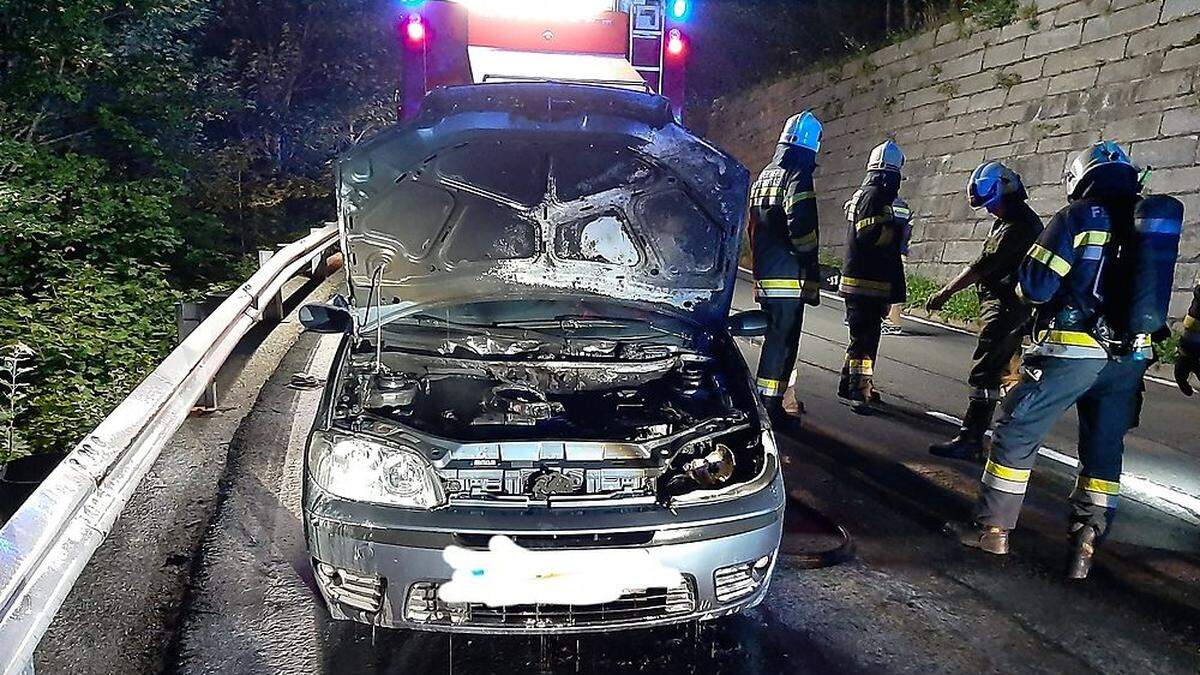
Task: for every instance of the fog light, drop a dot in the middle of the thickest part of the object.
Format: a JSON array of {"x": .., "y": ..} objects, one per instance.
[
  {"x": 738, "y": 581},
  {"x": 357, "y": 590}
]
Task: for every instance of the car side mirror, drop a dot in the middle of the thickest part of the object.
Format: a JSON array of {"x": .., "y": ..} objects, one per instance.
[
  {"x": 753, "y": 323},
  {"x": 326, "y": 318}
]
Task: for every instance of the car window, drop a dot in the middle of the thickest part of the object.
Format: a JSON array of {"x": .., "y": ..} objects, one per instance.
[
  {"x": 686, "y": 239},
  {"x": 601, "y": 239}
]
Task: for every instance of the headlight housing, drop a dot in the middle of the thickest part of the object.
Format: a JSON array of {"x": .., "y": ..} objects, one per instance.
[{"x": 355, "y": 468}]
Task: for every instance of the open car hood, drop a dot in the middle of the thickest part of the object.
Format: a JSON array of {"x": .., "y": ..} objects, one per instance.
[{"x": 540, "y": 190}]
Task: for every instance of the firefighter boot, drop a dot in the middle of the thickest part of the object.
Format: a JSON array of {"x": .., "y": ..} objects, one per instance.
[
  {"x": 780, "y": 419},
  {"x": 983, "y": 537},
  {"x": 792, "y": 405},
  {"x": 968, "y": 444},
  {"x": 1083, "y": 549}
]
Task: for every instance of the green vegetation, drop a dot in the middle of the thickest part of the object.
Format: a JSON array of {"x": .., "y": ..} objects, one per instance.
[
  {"x": 147, "y": 149},
  {"x": 991, "y": 13},
  {"x": 963, "y": 306}
]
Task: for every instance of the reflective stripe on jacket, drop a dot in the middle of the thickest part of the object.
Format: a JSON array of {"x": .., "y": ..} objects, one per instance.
[
  {"x": 784, "y": 229},
  {"x": 1061, "y": 274},
  {"x": 878, "y": 229}
]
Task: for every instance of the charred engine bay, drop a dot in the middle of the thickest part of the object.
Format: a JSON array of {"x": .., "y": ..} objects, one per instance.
[{"x": 652, "y": 416}]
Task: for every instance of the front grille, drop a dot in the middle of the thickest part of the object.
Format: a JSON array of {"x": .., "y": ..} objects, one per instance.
[
  {"x": 563, "y": 541},
  {"x": 423, "y": 606}
]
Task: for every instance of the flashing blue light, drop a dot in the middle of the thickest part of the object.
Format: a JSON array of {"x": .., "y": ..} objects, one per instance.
[{"x": 679, "y": 9}]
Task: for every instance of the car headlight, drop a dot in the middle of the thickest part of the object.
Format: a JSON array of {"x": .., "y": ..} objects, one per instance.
[{"x": 358, "y": 469}]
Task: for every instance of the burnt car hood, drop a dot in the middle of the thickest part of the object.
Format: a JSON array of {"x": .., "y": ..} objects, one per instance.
[{"x": 543, "y": 190}]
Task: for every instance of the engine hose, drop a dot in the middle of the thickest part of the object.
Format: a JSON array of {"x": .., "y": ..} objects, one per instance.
[{"x": 817, "y": 559}]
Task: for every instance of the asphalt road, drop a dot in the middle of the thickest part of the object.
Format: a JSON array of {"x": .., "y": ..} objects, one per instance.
[{"x": 910, "y": 600}]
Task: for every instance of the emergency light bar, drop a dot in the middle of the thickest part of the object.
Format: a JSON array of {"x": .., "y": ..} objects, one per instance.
[{"x": 558, "y": 10}]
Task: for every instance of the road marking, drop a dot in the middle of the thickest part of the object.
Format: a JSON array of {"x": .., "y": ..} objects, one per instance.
[
  {"x": 954, "y": 329},
  {"x": 1138, "y": 488}
]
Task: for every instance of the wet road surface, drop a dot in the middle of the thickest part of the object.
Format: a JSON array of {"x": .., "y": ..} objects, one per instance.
[{"x": 910, "y": 600}]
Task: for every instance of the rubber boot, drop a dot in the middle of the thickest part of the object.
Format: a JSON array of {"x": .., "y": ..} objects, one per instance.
[
  {"x": 1083, "y": 549},
  {"x": 983, "y": 537},
  {"x": 792, "y": 405},
  {"x": 781, "y": 421},
  {"x": 968, "y": 444}
]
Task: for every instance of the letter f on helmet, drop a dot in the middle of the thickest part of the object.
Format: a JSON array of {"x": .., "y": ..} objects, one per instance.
[{"x": 802, "y": 130}]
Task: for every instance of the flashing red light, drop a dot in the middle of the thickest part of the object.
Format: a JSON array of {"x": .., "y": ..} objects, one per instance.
[
  {"x": 675, "y": 43},
  {"x": 415, "y": 28}
]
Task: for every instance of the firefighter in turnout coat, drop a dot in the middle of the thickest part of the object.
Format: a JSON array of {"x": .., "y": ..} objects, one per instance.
[
  {"x": 783, "y": 241},
  {"x": 873, "y": 273},
  {"x": 1004, "y": 316},
  {"x": 1100, "y": 276}
]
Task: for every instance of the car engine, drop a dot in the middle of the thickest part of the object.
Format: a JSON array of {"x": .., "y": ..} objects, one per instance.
[{"x": 592, "y": 421}]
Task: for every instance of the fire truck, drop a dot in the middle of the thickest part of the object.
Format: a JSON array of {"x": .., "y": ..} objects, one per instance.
[{"x": 631, "y": 44}]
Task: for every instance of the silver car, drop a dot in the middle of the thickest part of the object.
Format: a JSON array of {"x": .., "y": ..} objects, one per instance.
[{"x": 538, "y": 346}]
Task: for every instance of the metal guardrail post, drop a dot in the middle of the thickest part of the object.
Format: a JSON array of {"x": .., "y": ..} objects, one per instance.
[
  {"x": 188, "y": 317},
  {"x": 272, "y": 308}
]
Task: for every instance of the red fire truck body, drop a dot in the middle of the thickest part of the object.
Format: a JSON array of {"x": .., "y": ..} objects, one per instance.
[{"x": 636, "y": 44}]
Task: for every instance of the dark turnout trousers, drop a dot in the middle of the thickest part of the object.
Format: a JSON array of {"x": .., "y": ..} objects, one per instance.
[
  {"x": 780, "y": 345},
  {"x": 865, "y": 317},
  {"x": 999, "y": 342},
  {"x": 1107, "y": 394}
]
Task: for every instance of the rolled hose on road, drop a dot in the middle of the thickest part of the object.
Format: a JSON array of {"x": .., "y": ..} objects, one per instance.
[{"x": 816, "y": 559}]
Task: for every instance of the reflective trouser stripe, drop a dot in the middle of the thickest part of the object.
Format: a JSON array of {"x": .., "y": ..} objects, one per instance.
[
  {"x": 1056, "y": 264},
  {"x": 1096, "y": 491},
  {"x": 981, "y": 394},
  {"x": 1191, "y": 325},
  {"x": 1092, "y": 238},
  {"x": 797, "y": 198},
  {"x": 769, "y": 387},
  {"x": 853, "y": 286},
  {"x": 806, "y": 244},
  {"x": 1005, "y": 479},
  {"x": 860, "y": 366}
]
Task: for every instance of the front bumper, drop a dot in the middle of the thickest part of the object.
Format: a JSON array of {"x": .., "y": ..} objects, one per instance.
[{"x": 386, "y": 574}]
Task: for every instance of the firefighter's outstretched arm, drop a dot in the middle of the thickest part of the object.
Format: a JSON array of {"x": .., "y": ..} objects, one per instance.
[
  {"x": 1048, "y": 261},
  {"x": 1188, "y": 364},
  {"x": 967, "y": 277}
]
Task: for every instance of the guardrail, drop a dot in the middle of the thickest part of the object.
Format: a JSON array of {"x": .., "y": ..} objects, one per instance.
[{"x": 48, "y": 541}]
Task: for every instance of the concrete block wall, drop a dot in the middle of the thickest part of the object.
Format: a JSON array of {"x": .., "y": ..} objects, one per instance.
[{"x": 1031, "y": 93}]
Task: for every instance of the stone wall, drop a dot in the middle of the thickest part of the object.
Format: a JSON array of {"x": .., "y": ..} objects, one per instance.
[{"x": 1030, "y": 93}]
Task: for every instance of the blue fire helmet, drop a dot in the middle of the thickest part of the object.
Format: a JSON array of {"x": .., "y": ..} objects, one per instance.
[
  {"x": 1096, "y": 157},
  {"x": 803, "y": 130},
  {"x": 990, "y": 183},
  {"x": 887, "y": 156}
]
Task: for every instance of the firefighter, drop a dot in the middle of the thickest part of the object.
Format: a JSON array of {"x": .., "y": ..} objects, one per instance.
[
  {"x": 873, "y": 272},
  {"x": 1189, "y": 347},
  {"x": 784, "y": 241},
  {"x": 1091, "y": 348},
  {"x": 999, "y": 190}
]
